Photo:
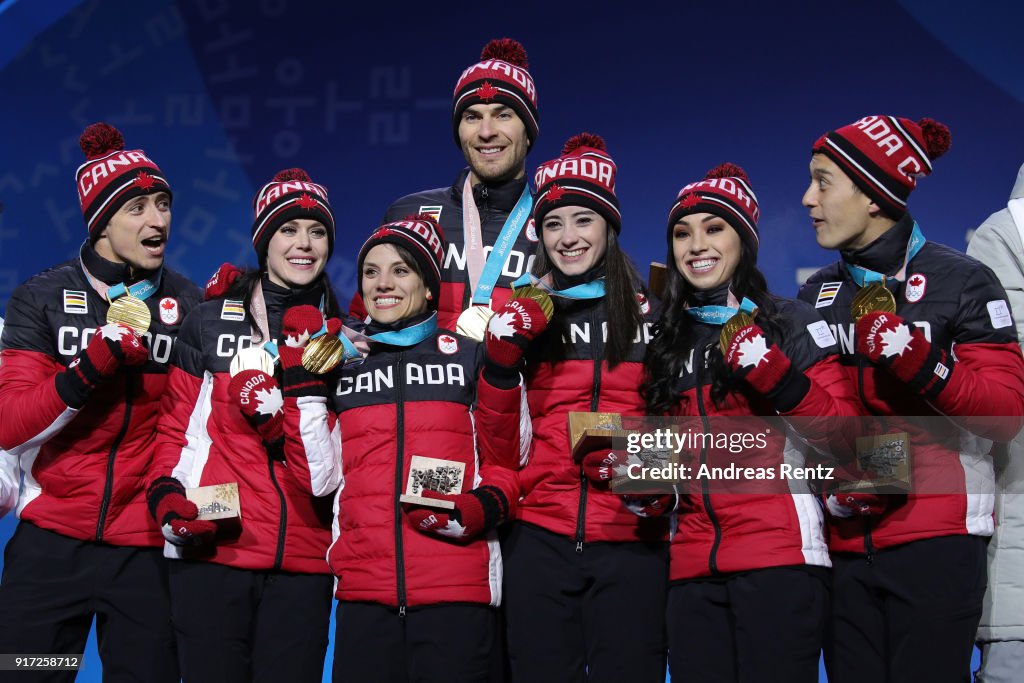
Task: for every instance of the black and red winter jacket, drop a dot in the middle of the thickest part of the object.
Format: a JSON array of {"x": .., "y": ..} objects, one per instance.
[{"x": 86, "y": 470}]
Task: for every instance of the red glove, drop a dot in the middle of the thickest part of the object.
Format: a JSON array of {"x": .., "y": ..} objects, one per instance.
[
  {"x": 299, "y": 325},
  {"x": 654, "y": 505},
  {"x": 476, "y": 512},
  {"x": 176, "y": 514},
  {"x": 766, "y": 368},
  {"x": 259, "y": 398},
  {"x": 854, "y": 504},
  {"x": 886, "y": 339},
  {"x": 111, "y": 346},
  {"x": 221, "y": 281},
  {"x": 511, "y": 329},
  {"x": 601, "y": 466}
]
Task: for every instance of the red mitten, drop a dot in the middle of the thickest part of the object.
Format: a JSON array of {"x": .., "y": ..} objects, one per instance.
[
  {"x": 258, "y": 396},
  {"x": 221, "y": 281},
  {"x": 111, "y": 346},
  {"x": 601, "y": 466},
  {"x": 655, "y": 505},
  {"x": 886, "y": 340},
  {"x": 846, "y": 505},
  {"x": 176, "y": 514},
  {"x": 766, "y": 368},
  {"x": 476, "y": 512},
  {"x": 299, "y": 325},
  {"x": 511, "y": 329}
]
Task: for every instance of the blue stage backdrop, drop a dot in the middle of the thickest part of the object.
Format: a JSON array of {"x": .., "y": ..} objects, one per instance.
[{"x": 222, "y": 94}]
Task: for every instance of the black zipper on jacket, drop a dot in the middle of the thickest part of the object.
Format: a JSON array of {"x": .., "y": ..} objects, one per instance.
[
  {"x": 108, "y": 485},
  {"x": 869, "y": 545},
  {"x": 282, "y": 524},
  {"x": 704, "y": 486},
  {"x": 597, "y": 351},
  {"x": 399, "y": 487}
]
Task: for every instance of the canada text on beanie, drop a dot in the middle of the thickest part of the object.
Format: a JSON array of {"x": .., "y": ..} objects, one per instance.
[
  {"x": 885, "y": 155},
  {"x": 112, "y": 175},
  {"x": 583, "y": 175},
  {"x": 290, "y": 195},
  {"x": 422, "y": 237},
  {"x": 724, "y": 192},
  {"x": 500, "y": 77}
]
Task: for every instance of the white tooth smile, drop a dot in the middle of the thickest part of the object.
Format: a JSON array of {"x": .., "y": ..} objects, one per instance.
[
  {"x": 301, "y": 261},
  {"x": 386, "y": 301},
  {"x": 703, "y": 265},
  {"x": 574, "y": 253},
  {"x": 489, "y": 150}
]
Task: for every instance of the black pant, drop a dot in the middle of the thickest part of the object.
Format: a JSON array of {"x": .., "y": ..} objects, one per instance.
[
  {"x": 53, "y": 586},
  {"x": 761, "y": 626},
  {"x": 596, "y": 615},
  {"x": 446, "y": 643},
  {"x": 909, "y": 615},
  {"x": 245, "y": 625}
]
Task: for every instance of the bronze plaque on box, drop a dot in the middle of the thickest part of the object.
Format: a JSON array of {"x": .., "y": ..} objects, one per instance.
[
  {"x": 591, "y": 431},
  {"x": 217, "y": 503},
  {"x": 883, "y": 461},
  {"x": 442, "y": 476},
  {"x": 657, "y": 278}
]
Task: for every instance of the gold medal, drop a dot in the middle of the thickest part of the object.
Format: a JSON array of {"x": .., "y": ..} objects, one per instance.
[
  {"x": 538, "y": 295},
  {"x": 322, "y": 354},
  {"x": 130, "y": 311},
  {"x": 473, "y": 322},
  {"x": 874, "y": 297},
  {"x": 252, "y": 358},
  {"x": 731, "y": 327}
]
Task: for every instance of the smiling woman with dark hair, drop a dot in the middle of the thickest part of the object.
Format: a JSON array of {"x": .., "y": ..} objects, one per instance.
[{"x": 749, "y": 568}]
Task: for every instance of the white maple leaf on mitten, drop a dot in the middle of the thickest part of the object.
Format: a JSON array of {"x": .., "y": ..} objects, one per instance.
[
  {"x": 298, "y": 342},
  {"x": 501, "y": 325},
  {"x": 269, "y": 402},
  {"x": 752, "y": 351},
  {"x": 114, "y": 331},
  {"x": 896, "y": 341}
]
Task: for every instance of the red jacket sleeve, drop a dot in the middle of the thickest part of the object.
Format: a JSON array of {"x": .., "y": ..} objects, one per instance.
[
  {"x": 31, "y": 411},
  {"x": 985, "y": 392},
  {"x": 827, "y": 417},
  {"x": 312, "y": 444},
  {"x": 502, "y": 425},
  {"x": 182, "y": 441}
]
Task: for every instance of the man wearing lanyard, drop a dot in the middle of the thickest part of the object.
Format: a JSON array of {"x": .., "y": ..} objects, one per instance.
[
  {"x": 83, "y": 368},
  {"x": 485, "y": 213},
  {"x": 924, "y": 331}
]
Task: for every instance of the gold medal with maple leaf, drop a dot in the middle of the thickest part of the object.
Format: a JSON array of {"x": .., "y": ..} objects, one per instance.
[
  {"x": 874, "y": 297},
  {"x": 731, "y": 327},
  {"x": 538, "y": 295},
  {"x": 322, "y": 354},
  {"x": 131, "y": 311},
  {"x": 473, "y": 322},
  {"x": 252, "y": 358}
]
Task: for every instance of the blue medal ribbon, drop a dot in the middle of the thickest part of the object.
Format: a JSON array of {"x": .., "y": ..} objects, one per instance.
[
  {"x": 143, "y": 289},
  {"x": 718, "y": 315},
  {"x": 588, "y": 290},
  {"x": 410, "y": 336},
  {"x": 502, "y": 248},
  {"x": 864, "y": 276}
]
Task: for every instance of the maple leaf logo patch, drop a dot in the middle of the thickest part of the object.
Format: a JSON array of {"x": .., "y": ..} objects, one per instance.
[
  {"x": 895, "y": 342},
  {"x": 486, "y": 91},
  {"x": 306, "y": 202},
  {"x": 268, "y": 402},
  {"x": 145, "y": 181}
]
